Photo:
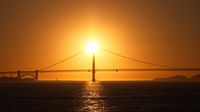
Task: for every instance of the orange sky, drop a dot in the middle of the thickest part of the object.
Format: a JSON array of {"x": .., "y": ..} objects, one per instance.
[{"x": 37, "y": 33}]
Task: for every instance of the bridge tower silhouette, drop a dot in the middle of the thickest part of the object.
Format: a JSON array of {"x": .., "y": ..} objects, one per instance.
[{"x": 93, "y": 68}]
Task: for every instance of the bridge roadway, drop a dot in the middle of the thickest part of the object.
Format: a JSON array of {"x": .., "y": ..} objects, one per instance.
[{"x": 104, "y": 70}]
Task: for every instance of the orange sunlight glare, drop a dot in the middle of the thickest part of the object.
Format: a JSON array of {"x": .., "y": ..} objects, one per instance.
[{"x": 92, "y": 47}]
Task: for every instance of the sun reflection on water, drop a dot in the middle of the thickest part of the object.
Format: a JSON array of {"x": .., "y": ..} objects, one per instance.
[{"x": 92, "y": 98}]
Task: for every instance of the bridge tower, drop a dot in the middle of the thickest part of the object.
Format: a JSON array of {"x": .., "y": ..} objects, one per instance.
[{"x": 93, "y": 68}]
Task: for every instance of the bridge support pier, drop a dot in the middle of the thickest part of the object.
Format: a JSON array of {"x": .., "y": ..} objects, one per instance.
[
  {"x": 93, "y": 68},
  {"x": 36, "y": 75},
  {"x": 18, "y": 74}
]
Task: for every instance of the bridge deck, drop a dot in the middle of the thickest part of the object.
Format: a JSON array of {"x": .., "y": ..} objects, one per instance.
[{"x": 104, "y": 70}]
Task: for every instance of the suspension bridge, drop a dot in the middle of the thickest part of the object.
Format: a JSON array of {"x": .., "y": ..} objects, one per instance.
[{"x": 35, "y": 73}]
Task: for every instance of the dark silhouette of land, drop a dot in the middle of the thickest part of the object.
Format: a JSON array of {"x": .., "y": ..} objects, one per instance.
[
  {"x": 179, "y": 78},
  {"x": 15, "y": 79},
  {"x": 9, "y": 79},
  {"x": 195, "y": 77}
]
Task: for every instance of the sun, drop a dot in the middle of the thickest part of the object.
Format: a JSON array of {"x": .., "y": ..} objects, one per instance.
[{"x": 92, "y": 47}]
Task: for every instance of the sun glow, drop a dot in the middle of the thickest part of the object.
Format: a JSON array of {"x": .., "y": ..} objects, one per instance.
[{"x": 92, "y": 47}]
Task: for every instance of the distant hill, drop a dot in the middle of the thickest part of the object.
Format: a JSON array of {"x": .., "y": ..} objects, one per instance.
[
  {"x": 180, "y": 78},
  {"x": 173, "y": 78},
  {"x": 195, "y": 77}
]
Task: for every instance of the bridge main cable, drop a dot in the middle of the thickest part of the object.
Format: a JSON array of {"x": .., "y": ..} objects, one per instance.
[
  {"x": 44, "y": 68},
  {"x": 140, "y": 61}
]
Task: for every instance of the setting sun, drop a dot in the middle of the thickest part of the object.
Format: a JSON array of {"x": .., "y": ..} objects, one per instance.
[{"x": 92, "y": 47}]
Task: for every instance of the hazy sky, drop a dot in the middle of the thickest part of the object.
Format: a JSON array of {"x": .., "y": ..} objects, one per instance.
[{"x": 36, "y": 33}]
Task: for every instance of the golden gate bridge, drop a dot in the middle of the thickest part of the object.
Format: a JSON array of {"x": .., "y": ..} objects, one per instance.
[{"x": 35, "y": 73}]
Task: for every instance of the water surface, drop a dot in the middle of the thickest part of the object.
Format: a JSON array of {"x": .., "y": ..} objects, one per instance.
[{"x": 140, "y": 96}]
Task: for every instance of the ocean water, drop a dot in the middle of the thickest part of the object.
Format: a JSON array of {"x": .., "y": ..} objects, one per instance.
[{"x": 138, "y": 96}]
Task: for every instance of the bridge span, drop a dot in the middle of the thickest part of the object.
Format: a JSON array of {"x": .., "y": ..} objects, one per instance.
[{"x": 35, "y": 73}]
